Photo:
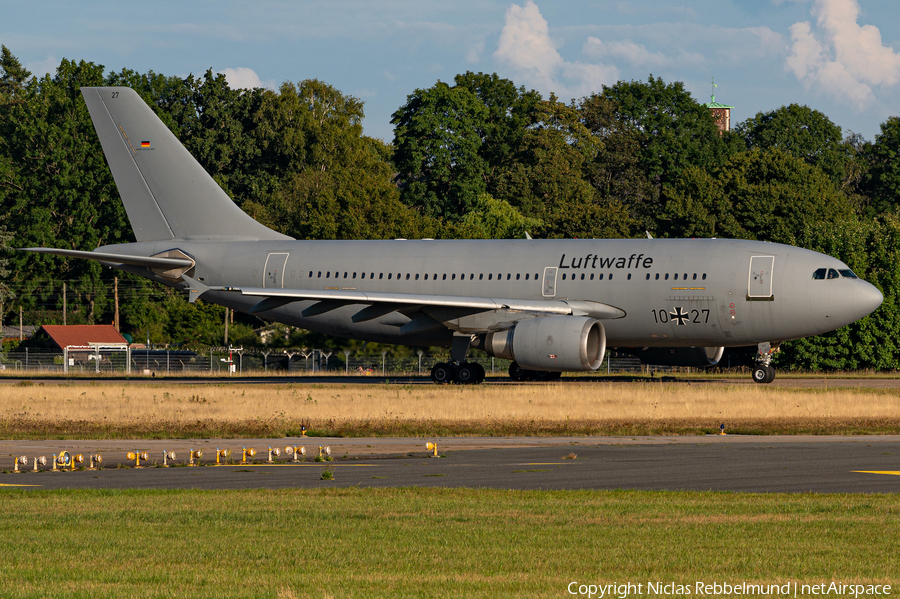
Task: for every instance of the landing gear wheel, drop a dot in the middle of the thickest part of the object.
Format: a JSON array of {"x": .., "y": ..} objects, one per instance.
[
  {"x": 467, "y": 373},
  {"x": 443, "y": 373},
  {"x": 517, "y": 373},
  {"x": 763, "y": 374},
  {"x": 479, "y": 374}
]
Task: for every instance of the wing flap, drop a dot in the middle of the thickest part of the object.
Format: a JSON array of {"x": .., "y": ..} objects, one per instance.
[{"x": 334, "y": 298}]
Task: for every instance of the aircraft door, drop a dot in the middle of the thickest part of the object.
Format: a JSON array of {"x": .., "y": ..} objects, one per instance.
[
  {"x": 549, "y": 285},
  {"x": 759, "y": 285},
  {"x": 274, "y": 270}
]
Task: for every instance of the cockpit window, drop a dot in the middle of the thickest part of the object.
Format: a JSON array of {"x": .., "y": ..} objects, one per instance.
[
  {"x": 820, "y": 273},
  {"x": 846, "y": 272},
  {"x": 833, "y": 274}
]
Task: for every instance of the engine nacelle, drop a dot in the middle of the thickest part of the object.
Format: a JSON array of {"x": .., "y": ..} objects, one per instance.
[
  {"x": 551, "y": 343},
  {"x": 699, "y": 357}
]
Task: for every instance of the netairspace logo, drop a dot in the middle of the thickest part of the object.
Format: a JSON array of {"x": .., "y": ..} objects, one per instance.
[{"x": 624, "y": 590}]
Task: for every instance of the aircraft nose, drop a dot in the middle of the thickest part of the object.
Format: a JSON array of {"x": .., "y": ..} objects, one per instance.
[{"x": 868, "y": 298}]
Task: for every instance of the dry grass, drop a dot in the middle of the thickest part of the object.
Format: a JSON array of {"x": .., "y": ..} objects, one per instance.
[{"x": 235, "y": 410}]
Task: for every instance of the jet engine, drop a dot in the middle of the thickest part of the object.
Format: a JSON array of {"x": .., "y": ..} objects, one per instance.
[
  {"x": 699, "y": 357},
  {"x": 551, "y": 343}
]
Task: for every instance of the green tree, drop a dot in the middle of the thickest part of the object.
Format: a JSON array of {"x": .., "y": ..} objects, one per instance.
[
  {"x": 617, "y": 173},
  {"x": 673, "y": 130},
  {"x": 768, "y": 195},
  {"x": 882, "y": 181},
  {"x": 511, "y": 111},
  {"x": 803, "y": 133},
  {"x": 437, "y": 138},
  {"x": 546, "y": 181},
  {"x": 335, "y": 183},
  {"x": 490, "y": 218},
  {"x": 871, "y": 248},
  {"x": 12, "y": 74}
]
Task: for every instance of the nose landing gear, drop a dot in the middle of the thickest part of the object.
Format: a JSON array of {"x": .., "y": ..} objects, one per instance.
[{"x": 764, "y": 372}]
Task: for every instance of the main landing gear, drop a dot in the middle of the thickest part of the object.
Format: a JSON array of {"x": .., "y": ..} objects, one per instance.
[
  {"x": 458, "y": 370},
  {"x": 517, "y": 373},
  {"x": 465, "y": 373},
  {"x": 764, "y": 372}
]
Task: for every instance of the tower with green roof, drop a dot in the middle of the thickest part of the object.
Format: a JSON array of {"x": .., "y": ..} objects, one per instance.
[{"x": 721, "y": 112}]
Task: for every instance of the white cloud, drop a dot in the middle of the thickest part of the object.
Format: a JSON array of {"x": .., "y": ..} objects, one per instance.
[
  {"x": 244, "y": 78},
  {"x": 636, "y": 54},
  {"x": 526, "y": 46},
  {"x": 43, "y": 67},
  {"x": 841, "y": 57}
]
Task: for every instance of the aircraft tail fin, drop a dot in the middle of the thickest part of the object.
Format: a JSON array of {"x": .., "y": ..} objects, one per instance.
[{"x": 166, "y": 193}]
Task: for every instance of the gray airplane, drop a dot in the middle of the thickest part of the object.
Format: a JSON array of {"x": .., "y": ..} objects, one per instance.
[{"x": 550, "y": 306}]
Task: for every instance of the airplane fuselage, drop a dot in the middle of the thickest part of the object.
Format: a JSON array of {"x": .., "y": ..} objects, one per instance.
[{"x": 695, "y": 292}]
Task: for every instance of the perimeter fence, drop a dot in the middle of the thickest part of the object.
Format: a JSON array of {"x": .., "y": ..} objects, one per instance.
[{"x": 222, "y": 362}]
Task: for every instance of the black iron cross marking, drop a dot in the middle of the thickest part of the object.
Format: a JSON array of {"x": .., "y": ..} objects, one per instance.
[{"x": 679, "y": 315}]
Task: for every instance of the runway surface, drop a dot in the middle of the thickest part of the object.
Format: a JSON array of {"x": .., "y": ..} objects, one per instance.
[{"x": 863, "y": 464}]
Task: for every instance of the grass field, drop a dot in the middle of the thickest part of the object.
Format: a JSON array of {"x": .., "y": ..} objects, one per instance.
[
  {"x": 160, "y": 410},
  {"x": 432, "y": 542}
]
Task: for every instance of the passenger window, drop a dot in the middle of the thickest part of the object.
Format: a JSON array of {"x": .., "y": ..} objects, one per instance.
[
  {"x": 345, "y": 275},
  {"x": 846, "y": 272},
  {"x": 472, "y": 276},
  {"x": 564, "y": 276},
  {"x": 310, "y": 274},
  {"x": 390, "y": 275},
  {"x": 320, "y": 274},
  {"x": 426, "y": 276},
  {"x": 600, "y": 276},
  {"x": 833, "y": 274},
  {"x": 380, "y": 275},
  {"x": 629, "y": 276},
  {"x": 695, "y": 277},
  {"x": 417, "y": 276},
  {"x": 582, "y": 276},
  {"x": 657, "y": 276},
  {"x": 648, "y": 276},
  {"x": 444, "y": 277},
  {"x": 453, "y": 277},
  {"x": 354, "y": 275},
  {"x": 820, "y": 274},
  {"x": 481, "y": 277},
  {"x": 592, "y": 276},
  {"x": 704, "y": 276},
  {"x": 518, "y": 275},
  {"x": 490, "y": 276},
  {"x": 676, "y": 276},
  {"x": 407, "y": 276},
  {"x": 610, "y": 276},
  {"x": 508, "y": 276},
  {"x": 526, "y": 276},
  {"x": 328, "y": 275},
  {"x": 667, "y": 276}
]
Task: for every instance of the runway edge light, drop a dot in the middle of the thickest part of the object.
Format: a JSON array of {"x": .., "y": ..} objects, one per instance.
[
  {"x": 23, "y": 460},
  {"x": 41, "y": 461},
  {"x": 432, "y": 447}
]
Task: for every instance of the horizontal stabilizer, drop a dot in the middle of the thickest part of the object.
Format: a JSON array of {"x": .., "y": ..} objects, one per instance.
[{"x": 146, "y": 261}]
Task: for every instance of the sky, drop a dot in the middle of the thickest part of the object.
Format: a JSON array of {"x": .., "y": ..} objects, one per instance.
[{"x": 841, "y": 57}]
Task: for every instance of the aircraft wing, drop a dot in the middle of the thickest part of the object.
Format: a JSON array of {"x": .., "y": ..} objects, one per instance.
[
  {"x": 147, "y": 261},
  {"x": 383, "y": 303}
]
